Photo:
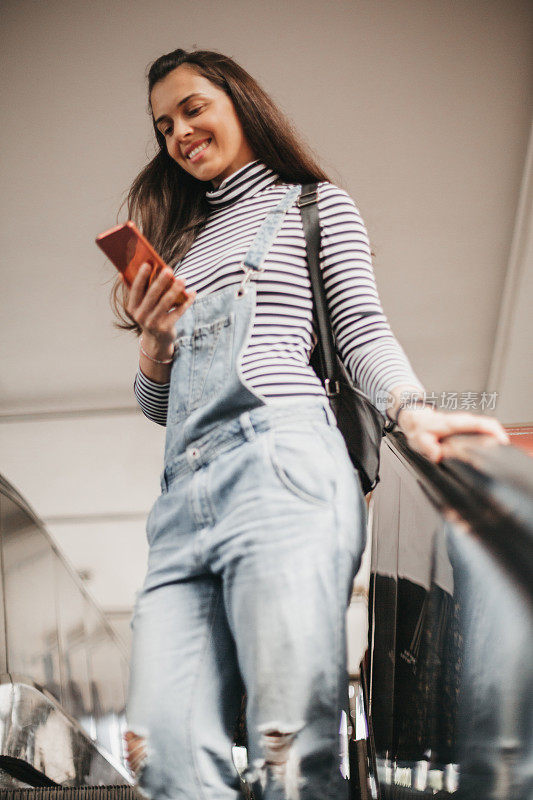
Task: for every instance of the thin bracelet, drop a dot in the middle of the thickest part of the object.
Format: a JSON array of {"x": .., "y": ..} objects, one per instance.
[{"x": 155, "y": 360}]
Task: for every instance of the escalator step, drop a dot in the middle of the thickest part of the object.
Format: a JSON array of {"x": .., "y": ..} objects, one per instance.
[
  {"x": 70, "y": 793},
  {"x": 403, "y": 793}
]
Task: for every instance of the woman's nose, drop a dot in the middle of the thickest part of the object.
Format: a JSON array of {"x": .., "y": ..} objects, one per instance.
[
  {"x": 182, "y": 131},
  {"x": 179, "y": 144}
]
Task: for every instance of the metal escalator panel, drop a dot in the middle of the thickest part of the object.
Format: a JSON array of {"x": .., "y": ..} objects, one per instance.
[
  {"x": 63, "y": 669},
  {"x": 29, "y": 576},
  {"x": 451, "y": 633},
  {"x": 79, "y": 793},
  {"x": 42, "y": 746}
]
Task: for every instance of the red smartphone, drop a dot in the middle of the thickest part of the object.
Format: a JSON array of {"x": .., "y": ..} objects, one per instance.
[{"x": 127, "y": 249}]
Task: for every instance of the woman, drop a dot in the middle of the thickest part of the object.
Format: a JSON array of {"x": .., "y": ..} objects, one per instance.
[{"x": 259, "y": 529}]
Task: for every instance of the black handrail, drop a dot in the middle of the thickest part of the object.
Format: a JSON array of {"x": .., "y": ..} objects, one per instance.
[{"x": 491, "y": 488}]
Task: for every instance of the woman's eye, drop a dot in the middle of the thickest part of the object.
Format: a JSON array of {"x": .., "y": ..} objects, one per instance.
[
  {"x": 195, "y": 110},
  {"x": 167, "y": 132}
]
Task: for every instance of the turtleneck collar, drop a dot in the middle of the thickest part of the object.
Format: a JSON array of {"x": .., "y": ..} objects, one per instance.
[{"x": 245, "y": 182}]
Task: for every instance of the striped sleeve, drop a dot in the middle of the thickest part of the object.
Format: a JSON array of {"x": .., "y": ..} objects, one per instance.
[
  {"x": 371, "y": 353},
  {"x": 152, "y": 397}
]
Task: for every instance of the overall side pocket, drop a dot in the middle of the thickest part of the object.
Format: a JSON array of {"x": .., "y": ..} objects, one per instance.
[{"x": 302, "y": 463}]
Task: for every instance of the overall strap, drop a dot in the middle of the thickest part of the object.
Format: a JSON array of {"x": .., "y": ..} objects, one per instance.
[{"x": 263, "y": 239}]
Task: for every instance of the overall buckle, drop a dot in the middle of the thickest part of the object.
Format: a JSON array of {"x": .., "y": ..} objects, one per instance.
[
  {"x": 332, "y": 387},
  {"x": 306, "y": 199},
  {"x": 248, "y": 271}
]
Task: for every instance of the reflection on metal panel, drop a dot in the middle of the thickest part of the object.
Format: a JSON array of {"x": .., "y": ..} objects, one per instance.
[
  {"x": 69, "y": 695},
  {"x": 30, "y": 596},
  {"x": 451, "y": 641},
  {"x": 494, "y": 717},
  {"x": 57, "y": 747}
]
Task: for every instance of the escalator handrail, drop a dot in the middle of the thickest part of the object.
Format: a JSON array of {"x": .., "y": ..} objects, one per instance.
[{"x": 488, "y": 487}]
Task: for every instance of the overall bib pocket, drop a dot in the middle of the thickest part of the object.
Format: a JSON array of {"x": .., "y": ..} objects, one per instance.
[{"x": 202, "y": 364}]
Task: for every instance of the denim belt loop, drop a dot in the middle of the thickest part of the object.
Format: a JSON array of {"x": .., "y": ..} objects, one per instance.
[{"x": 247, "y": 426}]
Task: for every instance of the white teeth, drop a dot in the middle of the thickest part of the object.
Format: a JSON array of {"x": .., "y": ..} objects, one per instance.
[{"x": 198, "y": 149}]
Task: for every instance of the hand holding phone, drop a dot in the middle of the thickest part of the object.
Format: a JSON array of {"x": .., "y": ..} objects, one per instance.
[
  {"x": 156, "y": 297},
  {"x": 128, "y": 249}
]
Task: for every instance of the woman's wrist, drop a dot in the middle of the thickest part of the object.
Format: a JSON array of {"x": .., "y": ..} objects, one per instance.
[
  {"x": 401, "y": 398},
  {"x": 152, "y": 359},
  {"x": 155, "y": 359},
  {"x": 156, "y": 351},
  {"x": 409, "y": 415}
]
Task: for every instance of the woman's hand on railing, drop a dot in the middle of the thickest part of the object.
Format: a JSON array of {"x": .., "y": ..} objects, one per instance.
[{"x": 427, "y": 431}]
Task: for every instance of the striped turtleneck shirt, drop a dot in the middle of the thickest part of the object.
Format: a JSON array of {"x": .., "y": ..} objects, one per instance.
[{"x": 275, "y": 363}]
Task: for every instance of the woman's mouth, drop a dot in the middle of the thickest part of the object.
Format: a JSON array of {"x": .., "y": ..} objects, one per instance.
[{"x": 197, "y": 152}]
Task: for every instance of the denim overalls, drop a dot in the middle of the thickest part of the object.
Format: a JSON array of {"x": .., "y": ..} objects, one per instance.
[{"x": 253, "y": 546}]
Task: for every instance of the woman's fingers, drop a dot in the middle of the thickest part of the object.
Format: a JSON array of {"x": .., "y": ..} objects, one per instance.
[
  {"x": 174, "y": 297},
  {"x": 153, "y": 294},
  {"x": 178, "y": 310},
  {"x": 428, "y": 432},
  {"x": 138, "y": 288},
  {"x": 450, "y": 424},
  {"x": 428, "y": 445},
  {"x": 157, "y": 306},
  {"x": 155, "y": 291}
]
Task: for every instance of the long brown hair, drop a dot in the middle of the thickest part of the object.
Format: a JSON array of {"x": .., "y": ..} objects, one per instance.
[{"x": 166, "y": 202}]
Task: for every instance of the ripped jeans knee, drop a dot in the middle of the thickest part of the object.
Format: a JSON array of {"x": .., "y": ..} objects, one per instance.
[
  {"x": 280, "y": 764},
  {"x": 136, "y": 757}
]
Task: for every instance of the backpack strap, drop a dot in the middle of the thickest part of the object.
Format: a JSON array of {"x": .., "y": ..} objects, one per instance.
[{"x": 308, "y": 205}]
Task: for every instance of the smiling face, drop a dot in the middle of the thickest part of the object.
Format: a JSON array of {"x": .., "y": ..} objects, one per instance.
[{"x": 201, "y": 129}]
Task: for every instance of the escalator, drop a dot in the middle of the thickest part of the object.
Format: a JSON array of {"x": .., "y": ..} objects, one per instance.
[
  {"x": 80, "y": 793},
  {"x": 442, "y": 706}
]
